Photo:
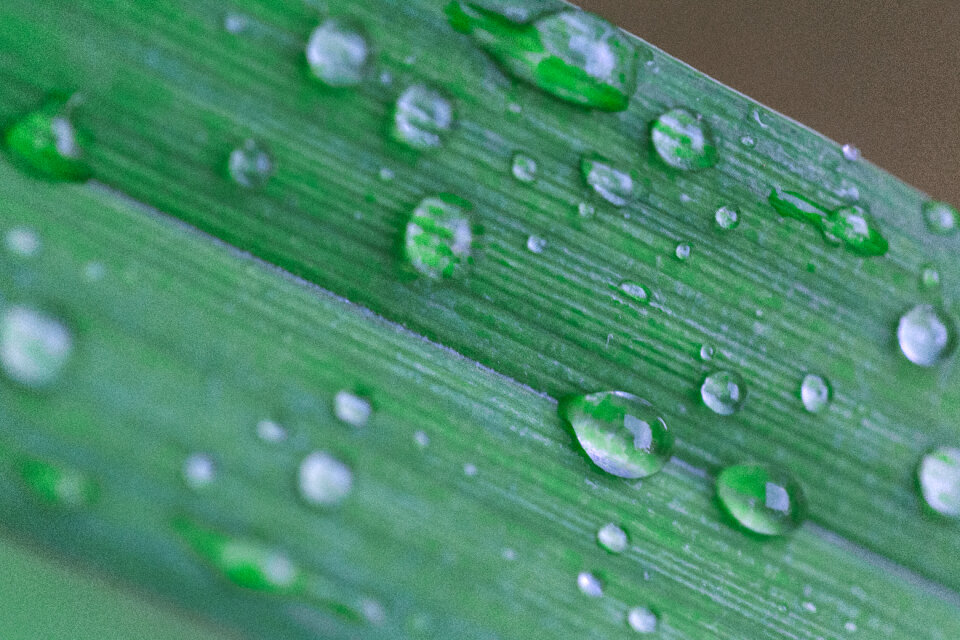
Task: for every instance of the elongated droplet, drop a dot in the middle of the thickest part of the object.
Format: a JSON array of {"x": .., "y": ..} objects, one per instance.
[
  {"x": 763, "y": 499},
  {"x": 46, "y": 144},
  {"x": 250, "y": 165},
  {"x": 727, "y": 218},
  {"x": 422, "y": 117},
  {"x": 571, "y": 54},
  {"x": 815, "y": 393},
  {"x": 642, "y": 620},
  {"x": 523, "y": 168},
  {"x": 589, "y": 584},
  {"x": 723, "y": 392},
  {"x": 683, "y": 140},
  {"x": 852, "y": 226},
  {"x": 612, "y": 184},
  {"x": 612, "y": 538},
  {"x": 790, "y": 204},
  {"x": 941, "y": 218},
  {"x": 351, "y": 408},
  {"x": 438, "y": 238},
  {"x": 621, "y": 433},
  {"x": 925, "y": 334},
  {"x": 939, "y": 476},
  {"x": 636, "y": 291},
  {"x": 58, "y": 485},
  {"x": 337, "y": 53},
  {"x": 324, "y": 480},
  {"x": 270, "y": 431},
  {"x": 34, "y": 346}
]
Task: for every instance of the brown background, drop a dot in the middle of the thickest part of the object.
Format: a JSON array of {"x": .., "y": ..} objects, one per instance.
[{"x": 880, "y": 74}]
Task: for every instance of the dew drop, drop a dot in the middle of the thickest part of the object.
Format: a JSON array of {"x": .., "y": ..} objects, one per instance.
[
  {"x": 536, "y": 244},
  {"x": 421, "y": 117},
  {"x": 706, "y": 352},
  {"x": 636, "y": 291},
  {"x": 438, "y": 237},
  {"x": 198, "y": 470},
  {"x": 748, "y": 141},
  {"x": 929, "y": 278},
  {"x": 723, "y": 392},
  {"x": 941, "y": 218},
  {"x": 524, "y": 168},
  {"x": 46, "y": 144},
  {"x": 58, "y": 485},
  {"x": 925, "y": 334},
  {"x": 586, "y": 210},
  {"x": 683, "y": 140},
  {"x": 351, "y": 408},
  {"x": 852, "y": 226},
  {"x": 22, "y": 241},
  {"x": 850, "y": 153},
  {"x": 270, "y": 431},
  {"x": 589, "y": 584},
  {"x": 34, "y": 346},
  {"x": 683, "y": 251},
  {"x": 939, "y": 477},
  {"x": 386, "y": 174},
  {"x": 612, "y": 538},
  {"x": 727, "y": 218},
  {"x": 621, "y": 433},
  {"x": 762, "y": 499},
  {"x": 235, "y": 22},
  {"x": 337, "y": 53},
  {"x": 612, "y": 184},
  {"x": 324, "y": 480},
  {"x": 815, "y": 393},
  {"x": 250, "y": 165},
  {"x": 422, "y": 439},
  {"x": 469, "y": 469},
  {"x": 642, "y": 620}
]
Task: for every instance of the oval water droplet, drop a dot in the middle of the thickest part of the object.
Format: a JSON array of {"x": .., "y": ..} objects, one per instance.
[
  {"x": 762, "y": 499},
  {"x": 815, "y": 393},
  {"x": 642, "y": 620},
  {"x": 523, "y": 168},
  {"x": 925, "y": 334},
  {"x": 422, "y": 117},
  {"x": 337, "y": 53},
  {"x": 636, "y": 291},
  {"x": 34, "y": 346},
  {"x": 250, "y": 165},
  {"x": 270, "y": 431},
  {"x": 683, "y": 251},
  {"x": 612, "y": 184},
  {"x": 324, "y": 480},
  {"x": 723, "y": 392},
  {"x": 621, "y": 433},
  {"x": 438, "y": 237},
  {"x": 852, "y": 226},
  {"x": 58, "y": 485},
  {"x": 22, "y": 242},
  {"x": 706, "y": 352},
  {"x": 198, "y": 470},
  {"x": 850, "y": 153},
  {"x": 727, "y": 218},
  {"x": 612, "y": 538},
  {"x": 46, "y": 144},
  {"x": 683, "y": 140},
  {"x": 929, "y": 278},
  {"x": 589, "y": 584},
  {"x": 939, "y": 477},
  {"x": 536, "y": 244},
  {"x": 941, "y": 218},
  {"x": 351, "y": 408}
]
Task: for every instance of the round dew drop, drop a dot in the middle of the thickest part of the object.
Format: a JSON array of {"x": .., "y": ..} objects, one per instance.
[
  {"x": 925, "y": 335},
  {"x": 421, "y": 118},
  {"x": 683, "y": 251},
  {"x": 198, "y": 470},
  {"x": 324, "y": 480},
  {"x": 612, "y": 538},
  {"x": 438, "y": 237},
  {"x": 929, "y": 278},
  {"x": 337, "y": 53},
  {"x": 706, "y": 352},
  {"x": 46, "y": 144},
  {"x": 589, "y": 584},
  {"x": 723, "y": 392},
  {"x": 34, "y": 346},
  {"x": 939, "y": 477},
  {"x": 815, "y": 393},
  {"x": 642, "y": 620},
  {"x": 762, "y": 499},
  {"x": 683, "y": 140},
  {"x": 536, "y": 244},
  {"x": 727, "y": 218},
  {"x": 523, "y": 168},
  {"x": 351, "y": 408},
  {"x": 610, "y": 183},
  {"x": 941, "y": 218},
  {"x": 250, "y": 165}
]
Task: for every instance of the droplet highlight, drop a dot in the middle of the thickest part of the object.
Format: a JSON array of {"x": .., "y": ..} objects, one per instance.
[
  {"x": 762, "y": 499},
  {"x": 925, "y": 334},
  {"x": 324, "y": 480},
  {"x": 422, "y": 118},
  {"x": 337, "y": 53},
  {"x": 683, "y": 140},
  {"x": 939, "y": 477},
  {"x": 723, "y": 392},
  {"x": 34, "y": 346},
  {"x": 438, "y": 237}
]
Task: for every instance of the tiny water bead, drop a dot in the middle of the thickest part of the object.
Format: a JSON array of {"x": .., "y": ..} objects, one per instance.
[
  {"x": 270, "y": 431},
  {"x": 536, "y": 244},
  {"x": 337, "y": 53},
  {"x": 929, "y": 278},
  {"x": 706, "y": 352},
  {"x": 636, "y": 291},
  {"x": 683, "y": 251},
  {"x": 621, "y": 433},
  {"x": 762, "y": 499},
  {"x": 22, "y": 241},
  {"x": 941, "y": 218},
  {"x": 850, "y": 153},
  {"x": 815, "y": 393},
  {"x": 198, "y": 470},
  {"x": 610, "y": 183},
  {"x": 351, "y": 408},
  {"x": 589, "y": 584},
  {"x": 570, "y": 54},
  {"x": 34, "y": 346},
  {"x": 642, "y": 620},
  {"x": 727, "y": 218},
  {"x": 586, "y": 210},
  {"x": 438, "y": 237},
  {"x": 250, "y": 165},
  {"x": 939, "y": 477},
  {"x": 324, "y": 480},
  {"x": 46, "y": 144},
  {"x": 723, "y": 392},
  {"x": 523, "y": 168},
  {"x": 683, "y": 140},
  {"x": 612, "y": 538},
  {"x": 422, "y": 117},
  {"x": 58, "y": 485},
  {"x": 925, "y": 334}
]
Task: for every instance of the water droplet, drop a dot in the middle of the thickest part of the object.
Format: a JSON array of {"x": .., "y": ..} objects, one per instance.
[
  {"x": 422, "y": 117},
  {"x": 337, "y": 53},
  {"x": 683, "y": 140},
  {"x": 536, "y": 244},
  {"x": 925, "y": 334},
  {"x": 748, "y": 141},
  {"x": 57, "y": 484},
  {"x": 438, "y": 237},
  {"x": 22, "y": 242},
  {"x": 589, "y": 584},
  {"x": 642, "y": 620},
  {"x": 585, "y": 210},
  {"x": 727, "y": 217},
  {"x": 723, "y": 392},
  {"x": 941, "y": 218},
  {"x": 270, "y": 431},
  {"x": 612, "y": 184},
  {"x": 939, "y": 476},
  {"x": 636, "y": 291},
  {"x": 250, "y": 165},
  {"x": 34, "y": 346},
  {"x": 850, "y": 153},
  {"x": 469, "y": 469},
  {"x": 386, "y": 174},
  {"x": 235, "y": 22},
  {"x": 422, "y": 439},
  {"x": 850, "y": 626},
  {"x": 524, "y": 168},
  {"x": 706, "y": 352},
  {"x": 46, "y": 144},
  {"x": 324, "y": 480},
  {"x": 612, "y": 538},
  {"x": 621, "y": 433},
  {"x": 853, "y": 227},
  {"x": 351, "y": 408},
  {"x": 198, "y": 470},
  {"x": 571, "y": 54},
  {"x": 815, "y": 393},
  {"x": 763, "y": 499},
  {"x": 929, "y": 278},
  {"x": 683, "y": 251},
  {"x": 794, "y": 205}
]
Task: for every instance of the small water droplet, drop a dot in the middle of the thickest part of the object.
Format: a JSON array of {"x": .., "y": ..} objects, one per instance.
[
  {"x": 250, "y": 165},
  {"x": 925, "y": 334},
  {"x": 270, "y": 431},
  {"x": 438, "y": 237},
  {"x": 850, "y": 153},
  {"x": 422, "y": 439},
  {"x": 22, "y": 241},
  {"x": 748, "y": 141},
  {"x": 324, "y": 480},
  {"x": 612, "y": 538},
  {"x": 636, "y": 291},
  {"x": 421, "y": 117},
  {"x": 351, "y": 408},
  {"x": 235, "y": 22},
  {"x": 337, "y": 53},
  {"x": 683, "y": 251},
  {"x": 723, "y": 392},
  {"x": 46, "y": 144},
  {"x": 536, "y": 244},
  {"x": 941, "y": 218},
  {"x": 58, "y": 485},
  {"x": 386, "y": 174},
  {"x": 815, "y": 393},
  {"x": 642, "y": 620},
  {"x": 612, "y": 184},
  {"x": 34, "y": 346},
  {"x": 683, "y": 140},
  {"x": 763, "y": 499},
  {"x": 469, "y": 469},
  {"x": 198, "y": 470},
  {"x": 850, "y": 626},
  {"x": 524, "y": 168},
  {"x": 586, "y": 210},
  {"x": 939, "y": 476},
  {"x": 621, "y": 433},
  {"x": 589, "y": 584},
  {"x": 727, "y": 217},
  {"x": 94, "y": 271},
  {"x": 706, "y": 352},
  {"x": 930, "y": 278}
]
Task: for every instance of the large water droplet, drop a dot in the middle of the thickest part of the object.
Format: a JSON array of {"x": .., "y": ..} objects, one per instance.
[
  {"x": 621, "y": 433},
  {"x": 250, "y": 165},
  {"x": 573, "y": 55},
  {"x": 351, "y": 408},
  {"x": 422, "y": 117},
  {"x": 523, "y": 168},
  {"x": 612, "y": 538},
  {"x": 589, "y": 584},
  {"x": 324, "y": 480},
  {"x": 683, "y": 140},
  {"x": 852, "y": 226},
  {"x": 46, "y": 144},
  {"x": 723, "y": 392},
  {"x": 337, "y": 53},
  {"x": 642, "y": 620},
  {"x": 612, "y": 184},
  {"x": 34, "y": 346},
  {"x": 438, "y": 237},
  {"x": 939, "y": 476},
  {"x": 727, "y": 217},
  {"x": 57, "y": 484},
  {"x": 814, "y": 393},
  {"x": 925, "y": 334},
  {"x": 763, "y": 499},
  {"x": 941, "y": 218}
]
